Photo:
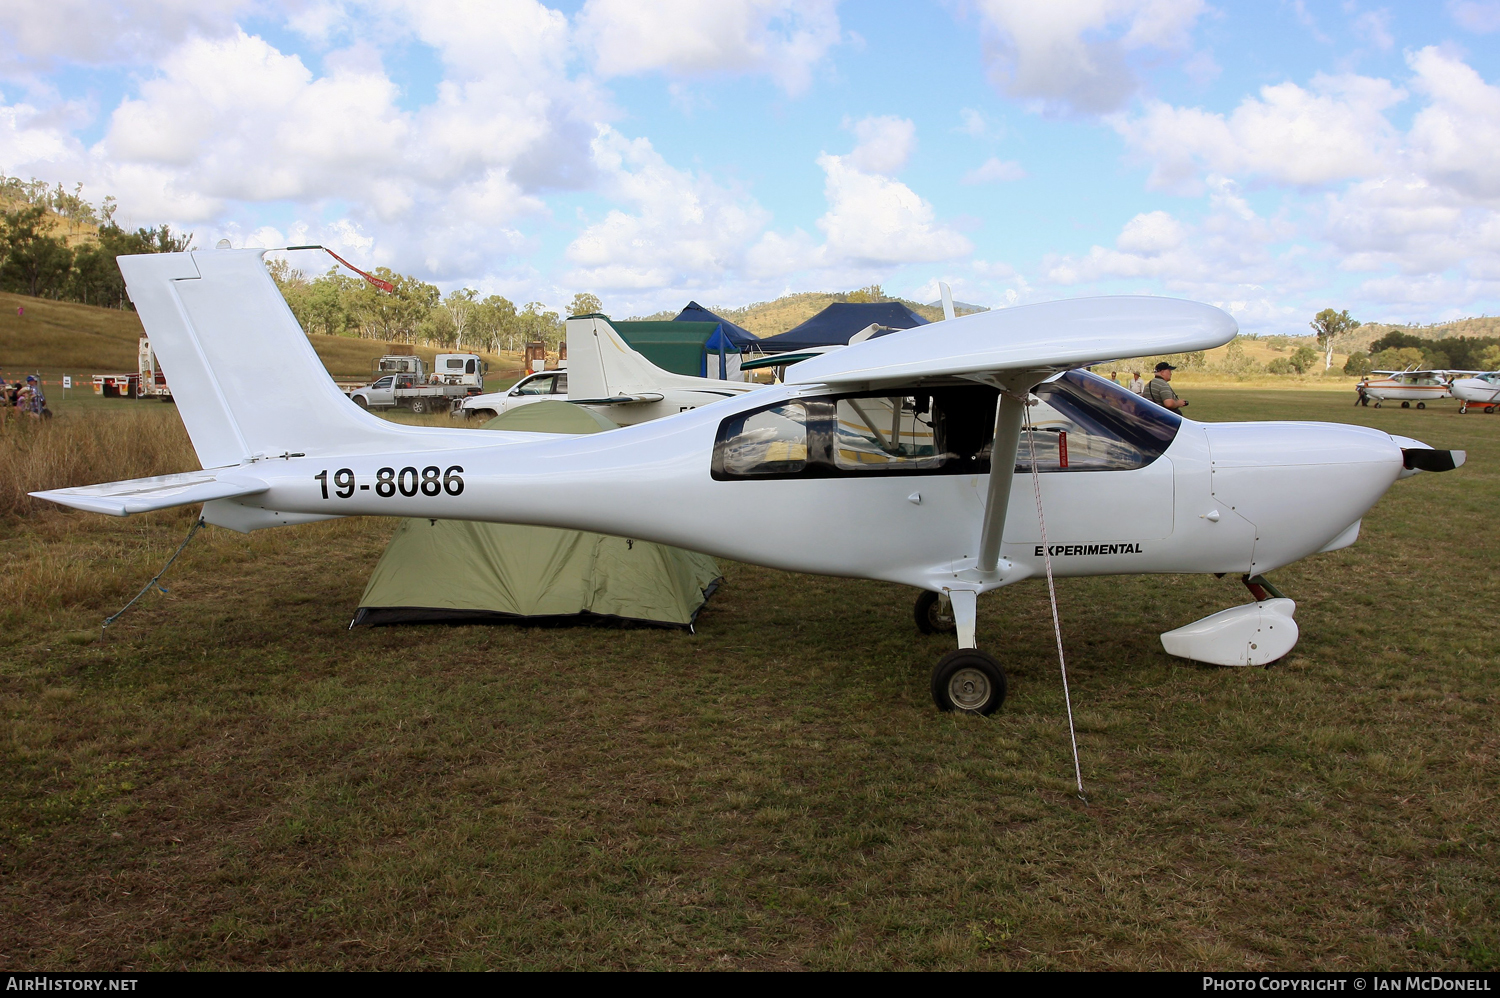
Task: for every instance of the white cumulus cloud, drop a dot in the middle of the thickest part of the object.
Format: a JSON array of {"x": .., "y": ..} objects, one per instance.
[
  {"x": 38, "y": 34},
  {"x": 885, "y": 143},
  {"x": 784, "y": 38},
  {"x": 681, "y": 230},
  {"x": 1075, "y": 55},
  {"x": 994, "y": 170},
  {"x": 1335, "y": 130}
]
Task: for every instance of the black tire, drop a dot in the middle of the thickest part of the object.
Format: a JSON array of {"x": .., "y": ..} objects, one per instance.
[
  {"x": 1377, "y": 405},
  {"x": 1489, "y": 410},
  {"x": 360, "y": 401},
  {"x": 1406, "y": 405},
  {"x": 968, "y": 681},
  {"x": 930, "y": 616},
  {"x": 419, "y": 406},
  {"x": 1421, "y": 405},
  {"x": 1462, "y": 409}
]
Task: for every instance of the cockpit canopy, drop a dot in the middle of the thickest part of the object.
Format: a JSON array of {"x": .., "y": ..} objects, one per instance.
[{"x": 1081, "y": 422}]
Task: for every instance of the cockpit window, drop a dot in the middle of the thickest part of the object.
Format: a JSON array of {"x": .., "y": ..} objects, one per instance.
[
  {"x": 765, "y": 442},
  {"x": 1081, "y": 422},
  {"x": 883, "y": 433}
]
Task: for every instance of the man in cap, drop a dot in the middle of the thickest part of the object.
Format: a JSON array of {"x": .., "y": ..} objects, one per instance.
[{"x": 1159, "y": 388}]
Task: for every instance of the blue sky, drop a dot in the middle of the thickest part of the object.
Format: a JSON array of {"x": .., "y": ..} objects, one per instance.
[{"x": 1271, "y": 158}]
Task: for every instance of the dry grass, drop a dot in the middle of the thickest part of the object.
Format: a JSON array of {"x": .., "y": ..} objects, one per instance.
[{"x": 85, "y": 447}]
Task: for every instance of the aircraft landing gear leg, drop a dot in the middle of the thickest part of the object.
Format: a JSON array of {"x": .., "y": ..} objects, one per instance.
[
  {"x": 1260, "y": 587},
  {"x": 967, "y": 680},
  {"x": 965, "y": 610}
]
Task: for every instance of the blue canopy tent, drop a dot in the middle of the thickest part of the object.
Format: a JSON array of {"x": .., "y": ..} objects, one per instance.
[
  {"x": 736, "y": 334},
  {"x": 835, "y": 324},
  {"x": 721, "y": 350}
]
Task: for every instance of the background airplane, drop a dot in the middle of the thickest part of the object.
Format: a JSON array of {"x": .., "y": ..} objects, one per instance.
[
  {"x": 606, "y": 373},
  {"x": 1407, "y": 387},
  {"x": 1481, "y": 390},
  {"x": 874, "y": 460}
]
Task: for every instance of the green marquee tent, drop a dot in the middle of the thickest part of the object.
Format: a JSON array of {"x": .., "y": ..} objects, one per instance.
[
  {"x": 672, "y": 346},
  {"x": 460, "y": 571}
]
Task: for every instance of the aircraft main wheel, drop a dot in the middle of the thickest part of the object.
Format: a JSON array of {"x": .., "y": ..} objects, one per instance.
[
  {"x": 933, "y": 617},
  {"x": 1377, "y": 405},
  {"x": 1489, "y": 409},
  {"x": 1462, "y": 409},
  {"x": 1406, "y": 405},
  {"x": 1421, "y": 405},
  {"x": 968, "y": 681}
]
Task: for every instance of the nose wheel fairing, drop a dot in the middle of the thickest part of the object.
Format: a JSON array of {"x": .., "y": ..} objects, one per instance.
[{"x": 1253, "y": 634}]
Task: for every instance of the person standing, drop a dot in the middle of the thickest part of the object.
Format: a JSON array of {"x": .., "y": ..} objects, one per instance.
[
  {"x": 1137, "y": 384},
  {"x": 1159, "y": 390}
]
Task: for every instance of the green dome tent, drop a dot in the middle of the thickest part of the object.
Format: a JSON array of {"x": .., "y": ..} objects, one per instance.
[{"x": 460, "y": 571}]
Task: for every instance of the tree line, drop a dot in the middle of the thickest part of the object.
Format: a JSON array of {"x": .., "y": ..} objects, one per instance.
[
  {"x": 58, "y": 245},
  {"x": 1397, "y": 350},
  {"x": 339, "y": 304}
]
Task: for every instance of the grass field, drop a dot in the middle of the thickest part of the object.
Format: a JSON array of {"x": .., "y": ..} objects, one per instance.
[{"x": 231, "y": 778}]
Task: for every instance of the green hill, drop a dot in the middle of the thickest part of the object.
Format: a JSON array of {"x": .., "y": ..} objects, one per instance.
[{"x": 59, "y": 337}]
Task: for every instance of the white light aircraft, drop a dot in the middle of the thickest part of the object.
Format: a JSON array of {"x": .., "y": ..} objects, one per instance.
[
  {"x": 608, "y": 374},
  {"x": 1481, "y": 390},
  {"x": 874, "y": 459},
  {"x": 1407, "y": 387}
]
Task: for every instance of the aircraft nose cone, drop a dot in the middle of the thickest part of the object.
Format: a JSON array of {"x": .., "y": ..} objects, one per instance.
[{"x": 1301, "y": 484}]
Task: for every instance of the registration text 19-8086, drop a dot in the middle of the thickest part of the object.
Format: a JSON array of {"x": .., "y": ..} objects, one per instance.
[{"x": 430, "y": 481}]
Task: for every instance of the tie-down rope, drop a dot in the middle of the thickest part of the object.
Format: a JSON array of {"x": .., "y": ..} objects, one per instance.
[
  {"x": 1062, "y": 664},
  {"x": 154, "y": 579}
]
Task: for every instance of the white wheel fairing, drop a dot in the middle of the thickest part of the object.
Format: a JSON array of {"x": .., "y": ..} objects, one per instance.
[{"x": 1252, "y": 634}]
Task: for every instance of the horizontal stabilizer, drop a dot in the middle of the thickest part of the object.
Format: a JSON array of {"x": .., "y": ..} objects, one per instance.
[
  {"x": 640, "y": 397},
  {"x": 142, "y": 495},
  {"x": 1054, "y": 335}
]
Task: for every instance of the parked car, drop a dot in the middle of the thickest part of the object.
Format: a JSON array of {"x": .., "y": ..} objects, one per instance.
[{"x": 532, "y": 388}]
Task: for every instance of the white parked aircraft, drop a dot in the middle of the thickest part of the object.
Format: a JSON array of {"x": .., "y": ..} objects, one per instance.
[
  {"x": 874, "y": 460},
  {"x": 1481, "y": 390},
  {"x": 1407, "y": 387},
  {"x": 606, "y": 373}
]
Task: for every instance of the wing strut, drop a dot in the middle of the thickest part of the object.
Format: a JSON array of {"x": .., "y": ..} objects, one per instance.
[{"x": 1008, "y": 415}]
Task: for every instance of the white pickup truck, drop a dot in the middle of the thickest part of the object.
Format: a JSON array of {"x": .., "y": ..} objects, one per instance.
[{"x": 403, "y": 381}]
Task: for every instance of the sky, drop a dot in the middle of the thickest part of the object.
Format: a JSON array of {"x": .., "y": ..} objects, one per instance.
[{"x": 1272, "y": 158}]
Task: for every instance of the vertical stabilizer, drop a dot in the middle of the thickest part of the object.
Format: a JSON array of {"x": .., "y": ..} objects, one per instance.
[
  {"x": 247, "y": 382},
  {"x": 602, "y": 365}
]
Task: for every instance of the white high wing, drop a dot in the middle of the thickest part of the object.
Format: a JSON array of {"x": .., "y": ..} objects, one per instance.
[{"x": 873, "y": 460}]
